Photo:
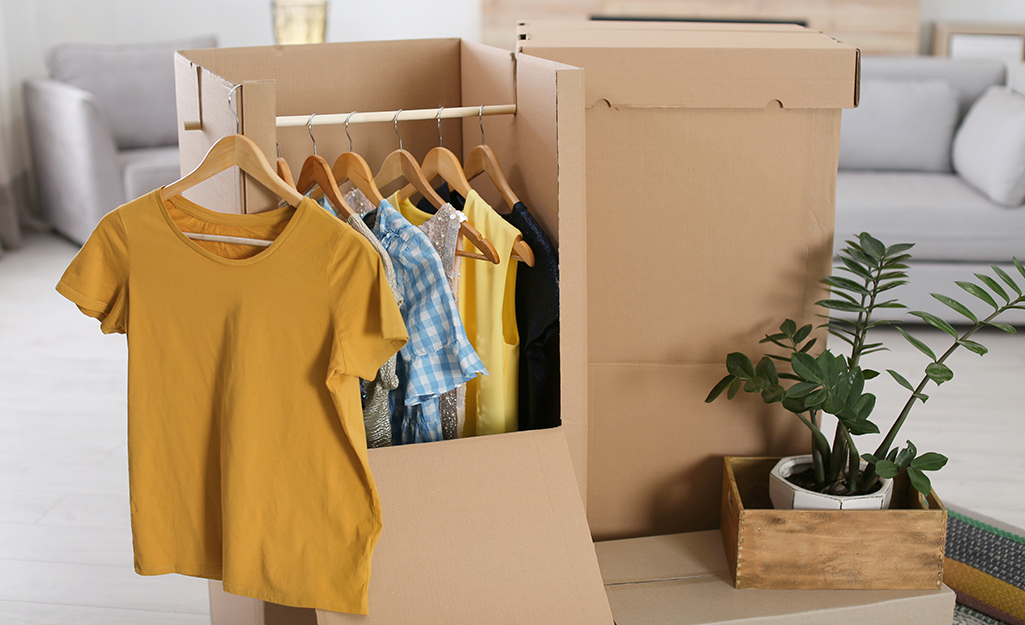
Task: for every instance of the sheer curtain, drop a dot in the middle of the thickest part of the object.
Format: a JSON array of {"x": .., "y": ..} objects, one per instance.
[{"x": 14, "y": 155}]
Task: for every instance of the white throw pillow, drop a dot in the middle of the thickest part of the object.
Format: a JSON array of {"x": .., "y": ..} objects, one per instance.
[
  {"x": 900, "y": 125},
  {"x": 989, "y": 149}
]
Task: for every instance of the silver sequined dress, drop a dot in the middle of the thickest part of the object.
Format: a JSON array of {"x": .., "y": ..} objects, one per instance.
[{"x": 443, "y": 231}]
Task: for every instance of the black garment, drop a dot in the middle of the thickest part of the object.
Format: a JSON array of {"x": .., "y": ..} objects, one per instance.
[
  {"x": 537, "y": 317},
  {"x": 457, "y": 201}
]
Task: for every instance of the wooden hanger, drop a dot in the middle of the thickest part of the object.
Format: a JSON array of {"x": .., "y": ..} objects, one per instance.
[
  {"x": 521, "y": 249},
  {"x": 401, "y": 164},
  {"x": 353, "y": 167},
  {"x": 482, "y": 159},
  {"x": 285, "y": 173},
  {"x": 233, "y": 151},
  {"x": 440, "y": 161},
  {"x": 317, "y": 173}
]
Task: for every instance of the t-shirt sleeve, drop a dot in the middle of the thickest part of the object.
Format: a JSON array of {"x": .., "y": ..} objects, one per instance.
[
  {"x": 97, "y": 278},
  {"x": 368, "y": 325}
]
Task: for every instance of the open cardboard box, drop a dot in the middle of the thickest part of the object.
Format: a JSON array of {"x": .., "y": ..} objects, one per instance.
[
  {"x": 704, "y": 216},
  {"x": 478, "y": 530}
]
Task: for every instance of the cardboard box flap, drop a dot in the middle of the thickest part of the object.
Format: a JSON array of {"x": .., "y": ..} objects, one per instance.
[
  {"x": 482, "y": 530},
  {"x": 724, "y": 68},
  {"x": 682, "y": 579},
  {"x": 668, "y": 557}
]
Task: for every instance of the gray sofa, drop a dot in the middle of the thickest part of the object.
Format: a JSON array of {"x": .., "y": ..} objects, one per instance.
[
  {"x": 102, "y": 129},
  {"x": 935, "y": 155}
]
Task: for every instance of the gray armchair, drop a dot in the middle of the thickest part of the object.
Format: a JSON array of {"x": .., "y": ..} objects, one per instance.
[{"x": 103, "y": 129}]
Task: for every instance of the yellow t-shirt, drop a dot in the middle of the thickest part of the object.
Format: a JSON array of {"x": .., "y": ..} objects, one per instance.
[
  {"x": 246, "y": 451},
  {"x": 487, "y": 304}
]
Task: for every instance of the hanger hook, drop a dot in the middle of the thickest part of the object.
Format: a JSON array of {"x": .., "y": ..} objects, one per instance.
[
  {"x": 277, "y": 146},
  {"x": 234, "y": 109},
  {"x": 480, "y": 120},
  {"x": 347, "y": 129},
  {"x": 441, "y": 143},
  {"x": 396, "y": 120},
  {"x": 309, "y": 127}
]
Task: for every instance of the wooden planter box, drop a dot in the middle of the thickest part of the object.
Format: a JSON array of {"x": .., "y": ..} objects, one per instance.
[{"x": 899, "y": 548}]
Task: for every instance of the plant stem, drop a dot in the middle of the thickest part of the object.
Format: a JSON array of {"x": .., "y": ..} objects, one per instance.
[
  {"x": 818, "y": 467},
  {"x": 838, "y": 452},
  {"x": 861, "y": 327},
  {"x": 884, "y": 447},
  {"x": 853, "y": 459}
]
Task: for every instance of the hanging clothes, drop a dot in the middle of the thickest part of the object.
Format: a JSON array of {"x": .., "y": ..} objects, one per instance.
[
  {"x": 439, "y": 356},
  {"x": 487, "y": 304},
  {"x": 442, "y": 228},
  {"x": 376, "y": 392},
  {"x": 537, "y": 318},
  {"x": 376, "y": 410},
  {"x": 247, "y": 454}
]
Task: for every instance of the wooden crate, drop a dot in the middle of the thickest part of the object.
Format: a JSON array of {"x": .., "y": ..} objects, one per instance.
[{"x": 899, "y": 548}]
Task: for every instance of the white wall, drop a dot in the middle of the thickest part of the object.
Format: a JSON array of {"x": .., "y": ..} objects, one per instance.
[
  {"x": 28, "y": 28},
  {"x": 33, "y": 26}
]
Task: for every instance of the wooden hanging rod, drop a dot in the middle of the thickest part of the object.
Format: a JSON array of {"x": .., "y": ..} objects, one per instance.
[{"x": 288, "y": 121}]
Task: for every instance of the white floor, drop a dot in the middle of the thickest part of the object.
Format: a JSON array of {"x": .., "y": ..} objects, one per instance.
[{"x": 65, "y": 541}]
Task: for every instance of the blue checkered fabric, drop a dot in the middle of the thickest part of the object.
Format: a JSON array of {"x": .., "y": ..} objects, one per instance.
[{"x": 438, "y": 356}]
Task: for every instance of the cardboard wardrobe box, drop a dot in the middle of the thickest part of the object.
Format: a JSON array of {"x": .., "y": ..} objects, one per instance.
[
  {"x": 711, "y": 170},
  {"x": 479, "y": 530},
  {"x": 684, "y": 579},
  {"x": 711, "y": 167}
]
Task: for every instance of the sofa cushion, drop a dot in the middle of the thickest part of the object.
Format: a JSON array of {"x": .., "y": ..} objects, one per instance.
[
  {"x": 146, "y": 169},
  {"x": 900, "y": 125},
  {"x": 133, "y": 85},
  {"x": 971, "y": 77},
  {"x": 946, "y": 219},
  {"x": 989, "y": 149}
]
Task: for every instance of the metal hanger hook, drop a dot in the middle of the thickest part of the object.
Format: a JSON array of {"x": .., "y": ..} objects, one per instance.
[
  {"x": 396, "y": 120},
  {"x": 347, "y": 129},
  {"x": 480, "y": 120},
  {"x": 234, "y": 109},
  {"x": 441, "y": 143},
  {"x": 309, "y": 127}
]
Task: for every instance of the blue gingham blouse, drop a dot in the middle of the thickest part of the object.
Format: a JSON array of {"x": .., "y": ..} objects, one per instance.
[{"x": 438, "y": 356}]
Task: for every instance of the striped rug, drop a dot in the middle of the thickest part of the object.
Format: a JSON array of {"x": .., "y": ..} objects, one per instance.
[{"x": 985, "y": 565}]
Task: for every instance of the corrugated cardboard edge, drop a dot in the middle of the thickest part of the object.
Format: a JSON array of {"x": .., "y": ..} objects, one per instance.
[{"x": 797, "y": 67}]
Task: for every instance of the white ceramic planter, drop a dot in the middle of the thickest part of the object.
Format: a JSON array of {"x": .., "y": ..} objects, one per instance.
[{"x": 787, "y": 496}]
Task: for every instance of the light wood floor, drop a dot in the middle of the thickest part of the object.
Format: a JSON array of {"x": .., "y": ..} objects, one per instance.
[{"x": 65, "y": 541}]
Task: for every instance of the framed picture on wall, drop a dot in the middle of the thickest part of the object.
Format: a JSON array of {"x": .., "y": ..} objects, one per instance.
[{"x": 990, "y": 40}]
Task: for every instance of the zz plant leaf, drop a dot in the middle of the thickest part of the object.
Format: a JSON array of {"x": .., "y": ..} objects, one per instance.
[{"x": 815, "y": 381}]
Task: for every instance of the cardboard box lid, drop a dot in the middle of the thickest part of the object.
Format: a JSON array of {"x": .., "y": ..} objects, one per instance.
[
  {"x": 683, "y": 579},
  {"x": 482, "y": 530},
  {"x": 628, "y": 64}
]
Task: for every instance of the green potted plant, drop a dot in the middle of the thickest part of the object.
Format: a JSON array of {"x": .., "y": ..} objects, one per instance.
[{"x": 836, "y": 474}]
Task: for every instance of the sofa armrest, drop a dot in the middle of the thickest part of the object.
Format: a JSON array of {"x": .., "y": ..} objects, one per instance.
[{"x": 77, "y": 173}]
